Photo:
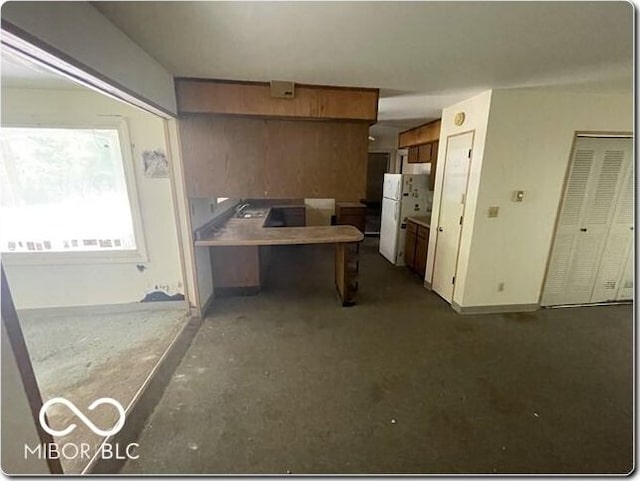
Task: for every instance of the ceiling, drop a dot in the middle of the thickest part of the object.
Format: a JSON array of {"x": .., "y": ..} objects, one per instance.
[{"x": 422, "y": 55}]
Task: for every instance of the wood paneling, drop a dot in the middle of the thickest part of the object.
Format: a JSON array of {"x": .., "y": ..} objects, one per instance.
[
  {"x": 252, "y": 98},
  {"x": 273, "y": 158},
  {"x": 422, "y": 134},
  {"x": 223, "y": 157}
]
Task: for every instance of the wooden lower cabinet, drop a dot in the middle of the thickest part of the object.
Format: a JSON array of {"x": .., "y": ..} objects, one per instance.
[
  {"x": 420, "y": 258},
  {"x": 236, "y": 270},
  {"x": 351, "y": 213},
  {"x": 416, "y": 246},
  {"x": 410, "y": 247},
  {"x": 346, "y": 271}
]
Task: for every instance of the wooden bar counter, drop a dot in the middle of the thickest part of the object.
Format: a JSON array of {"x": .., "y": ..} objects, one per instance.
[{"x": 237, "y": 252}]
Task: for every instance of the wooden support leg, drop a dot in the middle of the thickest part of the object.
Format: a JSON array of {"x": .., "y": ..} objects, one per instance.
[{"x": 346, "y": 271}]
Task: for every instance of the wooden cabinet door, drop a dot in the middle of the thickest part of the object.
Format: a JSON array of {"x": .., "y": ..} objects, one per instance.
[
  {"x": 351, "y": 215},
  {"x": 413, "y": 155},
  {"x": 424, "y": 153},
  {"x": 409, "y": 249},
  {"x": 422, "y": 244}
]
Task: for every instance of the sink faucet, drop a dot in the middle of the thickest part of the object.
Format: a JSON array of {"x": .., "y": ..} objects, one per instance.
[{"x": 241, "y": 207}]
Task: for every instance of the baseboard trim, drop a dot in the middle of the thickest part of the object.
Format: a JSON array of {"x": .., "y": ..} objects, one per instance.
[
  {"x": 107, "y": 308},
  {"x": 497, "y": 309},
  {"x": 147, "y": 398},
  {"x": 427, "y": 285}
]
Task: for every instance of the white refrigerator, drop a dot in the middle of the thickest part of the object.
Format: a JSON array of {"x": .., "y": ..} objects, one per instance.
[{"x": 403, "y": 195}]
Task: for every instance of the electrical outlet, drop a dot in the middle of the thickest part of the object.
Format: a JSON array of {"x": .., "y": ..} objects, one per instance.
[
  {"x": 501, "y": 287},
  {"x": 493, "y": 211}
]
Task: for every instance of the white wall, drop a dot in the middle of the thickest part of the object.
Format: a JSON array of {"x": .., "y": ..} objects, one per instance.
[
  {"x": 18, "y": 426},
  {"x": 79, "y": 31},
  {"x": 476, "y": 111},
  {"x": 386, "y": 141},
  {"x": 36, "y": 286},
  {"x": 528, "y": 146}
]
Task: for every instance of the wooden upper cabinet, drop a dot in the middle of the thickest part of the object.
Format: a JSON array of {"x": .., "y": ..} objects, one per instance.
[
  {"x": 424, "y": 152},
  {"x": 199, "y": 96},
  {"x": 420, "y": 154},
  {"x": 413, "y": 155},
  {"x": 422, "y": 134}
]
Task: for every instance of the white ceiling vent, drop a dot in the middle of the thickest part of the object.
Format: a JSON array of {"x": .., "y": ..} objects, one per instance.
[{"x": 282, "y": 89}]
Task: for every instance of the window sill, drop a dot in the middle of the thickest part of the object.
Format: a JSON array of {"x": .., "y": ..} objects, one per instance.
[{"x": 72, "y": 258}]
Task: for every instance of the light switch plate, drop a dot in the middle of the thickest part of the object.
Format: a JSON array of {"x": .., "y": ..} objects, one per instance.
[{"x": 493, "y": 211}]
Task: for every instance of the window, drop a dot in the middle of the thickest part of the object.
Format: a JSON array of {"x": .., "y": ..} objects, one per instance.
[{"x": 65, "y": 189}]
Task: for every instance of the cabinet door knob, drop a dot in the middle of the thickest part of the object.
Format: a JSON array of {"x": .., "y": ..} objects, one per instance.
[
  {"x": 440, "y": 229},
  {"x": 584, "y": 229}
]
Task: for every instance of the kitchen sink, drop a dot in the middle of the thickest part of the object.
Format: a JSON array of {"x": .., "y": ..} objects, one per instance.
[{"x": 248, "y": 214}]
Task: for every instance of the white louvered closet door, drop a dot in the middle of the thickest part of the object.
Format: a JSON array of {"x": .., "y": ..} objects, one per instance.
[
  {"x": 576, "y": 272},
  {"x": 611, "y": 279}
]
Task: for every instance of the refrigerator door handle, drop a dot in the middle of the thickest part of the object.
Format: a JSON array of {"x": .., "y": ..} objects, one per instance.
[{"x": 395, "y": 211}]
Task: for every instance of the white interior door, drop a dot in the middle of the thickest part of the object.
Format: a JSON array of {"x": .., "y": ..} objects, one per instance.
[
  {"x": 454, "y": 186},
  {"x": 579, "y": 271}
]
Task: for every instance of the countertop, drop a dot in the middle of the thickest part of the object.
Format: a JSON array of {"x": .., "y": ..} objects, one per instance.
[
  {"x": 423, "y": 220},
  {"x": 250, "y": 232}
]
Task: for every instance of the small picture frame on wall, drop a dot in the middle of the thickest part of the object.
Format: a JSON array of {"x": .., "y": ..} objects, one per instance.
[{"x": 156, "y": 164}]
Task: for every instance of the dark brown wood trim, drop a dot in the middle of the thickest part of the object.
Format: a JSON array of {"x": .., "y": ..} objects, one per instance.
[
  {"x": 27, "y": 37},
  {"x": 19, "y": 348},
  {"x": 418, "y": 127},
  {"x": 266, "y": 84},
  {"x": 183, "y": 115}
]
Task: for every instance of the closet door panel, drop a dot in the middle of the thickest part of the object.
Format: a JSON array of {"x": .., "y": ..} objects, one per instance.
[
  {"x": 569, "y": 222},
  {"x": 592, "y": 237},
  {"x": 619, "y": 245},
  {"x": 625, "y": 292}
]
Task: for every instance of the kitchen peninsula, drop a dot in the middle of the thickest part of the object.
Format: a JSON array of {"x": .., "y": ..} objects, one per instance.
[{"x": 239, "y": 247}]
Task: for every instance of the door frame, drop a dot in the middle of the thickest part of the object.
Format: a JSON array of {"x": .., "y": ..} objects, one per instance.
[
  {"x": 464, "y": 207},
  {"x": 567, "y": 170}
]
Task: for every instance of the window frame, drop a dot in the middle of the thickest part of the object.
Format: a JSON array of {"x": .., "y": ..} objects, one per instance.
[{"x": 137, "y": 255}]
